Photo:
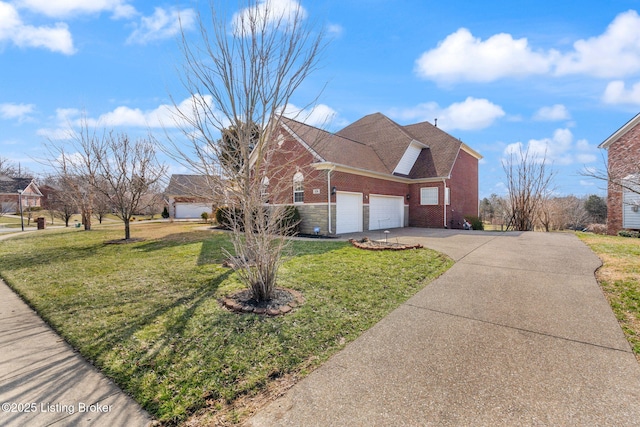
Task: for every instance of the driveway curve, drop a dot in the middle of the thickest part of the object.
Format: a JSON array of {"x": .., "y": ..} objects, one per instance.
[{"x": 517, "y": 332}]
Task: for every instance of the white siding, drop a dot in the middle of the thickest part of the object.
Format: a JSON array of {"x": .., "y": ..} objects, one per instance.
[
  {"x": 630, "y": 210},
  {"x": 408, "y": 159}
]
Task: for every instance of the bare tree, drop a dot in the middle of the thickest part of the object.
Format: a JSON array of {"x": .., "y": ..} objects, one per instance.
[
  {"x": 127, "y": 171},
  {"x": 241, "y": 74},
  {"x": 7, "y": 167},
  {"x": 75, "y": 164},
  {"x": 529, "y": 180}
]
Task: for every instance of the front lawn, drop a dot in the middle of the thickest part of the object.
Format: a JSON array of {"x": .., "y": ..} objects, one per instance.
[
  {"x": 619, "y": 278},
  {"x": 147, "y": 313}
]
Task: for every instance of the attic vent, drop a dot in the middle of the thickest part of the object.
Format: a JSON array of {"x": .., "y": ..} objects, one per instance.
[{"x": 408, "y": 159}]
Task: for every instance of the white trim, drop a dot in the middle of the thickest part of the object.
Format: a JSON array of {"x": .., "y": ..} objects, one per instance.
[
  {"x": 409, "y": 158},
  {"x": 313, "y": 152},
  {"x": 620, "y": 132},
  {"x": 370, "y": 174}
]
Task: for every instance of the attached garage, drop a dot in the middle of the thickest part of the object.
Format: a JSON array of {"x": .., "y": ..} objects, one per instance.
[
  {"x": 348, "y": 212},
  {"x": 191, "y": 210},
  {"x": 386, "y": 212}
]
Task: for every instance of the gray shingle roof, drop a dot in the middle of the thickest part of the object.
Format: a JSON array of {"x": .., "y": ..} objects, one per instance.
[
  {"x": 377, "y": 143},
  {"x": 12, "y": 185}
]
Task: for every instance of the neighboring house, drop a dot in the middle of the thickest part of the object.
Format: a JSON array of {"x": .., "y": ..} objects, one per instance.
[
  {"x": 623, "y": 167},
  {"x": 374, "y": 174},
  {"x": 188, "y": 196},
  {"x": 10, "y": 189}
]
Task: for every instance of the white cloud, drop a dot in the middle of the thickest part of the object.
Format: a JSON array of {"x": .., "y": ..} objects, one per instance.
[
  {"x": 560, "y": 149},
  {"x": 165, "y": 115},
  {"x": 163, "y": 24},
  {"x": 553, "y": 113},
  {"x": 615, "y": 53},
  {"x": 319, "y": 115},
  {"x": 280, "y": 13},
  {"x": 335, "y": 30},
  {"x": 470, "y": 114},
  {"x": 463, "y": 57},
  {"x": 12, "y": 29},
  {"x": 617, "y": 93},
  {"x": 66, "y": 8},
  {"x": 460, "y": 56},
  {"x": 16, "y": 111}
]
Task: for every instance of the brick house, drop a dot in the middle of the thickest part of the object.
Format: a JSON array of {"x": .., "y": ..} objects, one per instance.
[
  {"x": 374, "y": 174},
  {"x": 188, "y": 196},
  {"x": 9, "y": 194},
  {"x": 623, "y": 167}
]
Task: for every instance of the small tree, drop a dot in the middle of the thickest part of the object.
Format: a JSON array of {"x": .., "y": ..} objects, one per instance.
[
  {"x": 128, "y": 170},
  {"x": 529, "y": 180},
  {"x": 75, "y": 165},
  {"x": 596, "y": 207},
  {"x": 241, "y": 74}
]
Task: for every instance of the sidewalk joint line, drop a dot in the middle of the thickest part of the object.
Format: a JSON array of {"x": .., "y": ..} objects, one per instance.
[{"x": 520, "y": 329}]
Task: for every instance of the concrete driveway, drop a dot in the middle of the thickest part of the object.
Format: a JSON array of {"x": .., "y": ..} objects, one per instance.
[{"x": 517, "y": 332}]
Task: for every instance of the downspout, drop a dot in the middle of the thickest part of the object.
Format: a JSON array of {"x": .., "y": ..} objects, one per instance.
[
  {"x": 329, "y": 199},
  {"x": 444, "y": 200}
]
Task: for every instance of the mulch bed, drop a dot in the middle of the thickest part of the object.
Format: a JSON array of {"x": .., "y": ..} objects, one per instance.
[
  {"x": 283, "y": 302},
  {"x": 372, "y": 245}
]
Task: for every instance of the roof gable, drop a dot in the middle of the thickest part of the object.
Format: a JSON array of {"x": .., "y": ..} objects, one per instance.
[
  {"x": 621, "y": 132},
  {"x": 387, "y": 138},
  {"x": 10, "y": 185},
  {"x": 189, "y": 185},
  {"x": 377, "y": 144}
]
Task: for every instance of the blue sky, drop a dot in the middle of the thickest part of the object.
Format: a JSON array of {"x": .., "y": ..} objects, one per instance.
[{"x": 555, "y": 76}]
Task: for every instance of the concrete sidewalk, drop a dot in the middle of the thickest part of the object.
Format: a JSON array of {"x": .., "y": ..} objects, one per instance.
[
  {"x": 44, "y": 382},
  {"x": 517, "y": 332}
]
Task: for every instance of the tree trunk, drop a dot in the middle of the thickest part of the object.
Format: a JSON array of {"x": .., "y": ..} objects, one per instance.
[{"x": 127, "y": 229}]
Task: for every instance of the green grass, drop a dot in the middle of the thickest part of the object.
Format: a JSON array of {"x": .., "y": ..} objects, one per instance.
[
  {"x": 619, "y": 278},
  {"x": 147, "y": 313}
]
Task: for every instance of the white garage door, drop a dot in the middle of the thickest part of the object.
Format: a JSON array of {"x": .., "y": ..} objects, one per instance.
[
  {"x": 348, "y": 212},
  {"x": 191, "y": 210},
  {"x": 386, "y": 212}
]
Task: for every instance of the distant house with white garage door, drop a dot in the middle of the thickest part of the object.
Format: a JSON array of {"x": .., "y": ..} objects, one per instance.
[
  {"x": 188, "y": 196},
  {"x": 623, "y": 167},
  {"x": 374, "y": 174}
]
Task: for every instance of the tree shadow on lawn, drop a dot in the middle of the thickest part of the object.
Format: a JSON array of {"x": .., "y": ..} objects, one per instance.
[{"x": 39, "y": 256}]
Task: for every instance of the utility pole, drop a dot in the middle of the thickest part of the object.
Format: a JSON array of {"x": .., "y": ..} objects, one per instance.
[{"x": 20, "y": 202}]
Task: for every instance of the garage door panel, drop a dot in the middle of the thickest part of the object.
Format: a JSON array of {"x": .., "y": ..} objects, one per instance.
[
  {"x": 386, "y": 212},
  {"x": 191, "y": 210},
  {"x": 348, "y": 212}
]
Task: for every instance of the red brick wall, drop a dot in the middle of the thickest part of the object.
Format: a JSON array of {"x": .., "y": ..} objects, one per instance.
[
  {"x": 464, "y": 189},
  {"x": 295, "y": 158},
  {"x": 463, "y": 186},
  {"x": 624, "y": 160},
  {"x": 367, "y": 186}
]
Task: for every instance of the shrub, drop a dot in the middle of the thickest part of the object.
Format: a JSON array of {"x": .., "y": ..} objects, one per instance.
[
  {"x": 597, "y": 228},
  {"x": 475, "y": 222},
  {"x": 289, "y": 221},
  {"x": 628, "y": 233},
  {"x": 204, "y": 216},
  {"x": 165, "y": 213}
]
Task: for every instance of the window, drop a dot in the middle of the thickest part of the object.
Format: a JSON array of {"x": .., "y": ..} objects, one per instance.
[
  {"x": 447, "y": 196},
  {"x": 429, "y": 196},
  {"x": 298, "y": 188},
  {"x": 264, "y": 189}
]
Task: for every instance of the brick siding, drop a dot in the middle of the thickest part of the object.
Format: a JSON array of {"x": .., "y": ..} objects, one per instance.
[{"x": 624, "y": 160}]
